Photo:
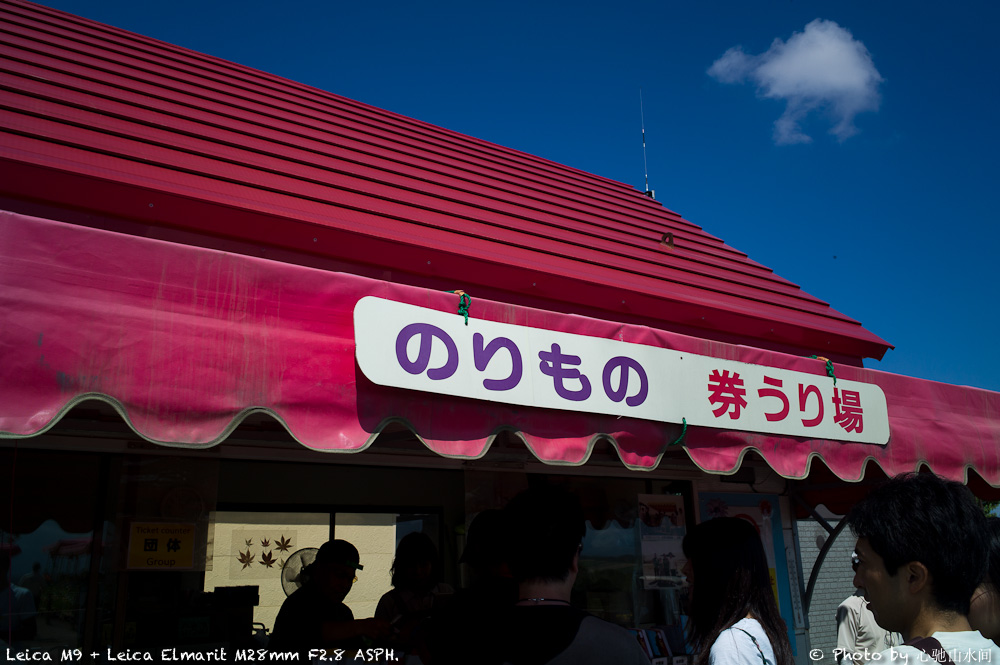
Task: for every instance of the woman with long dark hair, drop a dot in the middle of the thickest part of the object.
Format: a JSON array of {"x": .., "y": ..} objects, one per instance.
[
  {"x": 417, "y": 592},
  {"x": 733, "y": 618}
]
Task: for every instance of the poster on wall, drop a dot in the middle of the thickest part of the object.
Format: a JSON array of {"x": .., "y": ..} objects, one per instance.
[
  {"x": 161, "y": 546},
  {"x": 661, "y": 531},
  {"x": 261, "y": 554},
  {"x": 762, "y": 511}
]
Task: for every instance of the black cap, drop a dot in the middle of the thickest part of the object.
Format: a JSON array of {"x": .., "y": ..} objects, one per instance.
[{"x": 339, "y": 551}]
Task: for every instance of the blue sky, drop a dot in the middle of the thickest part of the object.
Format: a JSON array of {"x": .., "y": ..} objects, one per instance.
[{"x": 849, "y": 146}]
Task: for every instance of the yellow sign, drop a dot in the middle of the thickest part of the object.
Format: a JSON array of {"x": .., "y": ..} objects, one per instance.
[{"x": 160, "y": 546}]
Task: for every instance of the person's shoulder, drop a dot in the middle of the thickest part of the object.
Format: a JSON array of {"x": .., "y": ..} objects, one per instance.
[
  {"x": 598, "y": 640},
  {"x": 962, "y": 637},
  {"x": 966, "y": 644},
  {"x": 594, "y": 624},
  {"x": 903, "y": 654},
  {"x": 344, "y": 613},
  {"x": 20, "y": 594},
  {"x": 729, "y": 641},
  {"x": 735, "y": 642},
  {"x": 853, "y": 602},
  {"x": 732, "y": 633},
  {"x": 301, "y": 599},
  {"x": 748, "y": 629},
  {"x": 389, "y": 601},
  {"x": 961, "y": 646},
  {"x": 302, "y": 594}
]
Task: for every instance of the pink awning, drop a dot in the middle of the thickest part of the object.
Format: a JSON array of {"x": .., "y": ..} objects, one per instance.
[{"x": 185, "y": 342}]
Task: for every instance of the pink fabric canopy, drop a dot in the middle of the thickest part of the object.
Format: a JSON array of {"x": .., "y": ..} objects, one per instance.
[{"x": 185, "y": 342}]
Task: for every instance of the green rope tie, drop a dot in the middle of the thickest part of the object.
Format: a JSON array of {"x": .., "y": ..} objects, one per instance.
[
  {"x": 829, "y": 367},
  {"x": 464, "y": 302},
  {"x": 684, "y": 428}
]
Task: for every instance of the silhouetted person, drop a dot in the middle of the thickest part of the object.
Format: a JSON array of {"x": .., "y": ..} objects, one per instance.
[
  {"x": 35, "y": 583},
  {"x": 546, "y": 527},
  {"x": 734, "y": 619},
  {"x": 17, "y": 607},
  {"x": 417, "y": 591},
  {"x": 315, "y": 616},
  {"x": 461, "y": 630}
]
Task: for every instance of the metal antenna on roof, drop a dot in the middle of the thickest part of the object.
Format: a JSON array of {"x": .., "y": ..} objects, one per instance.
[{"x": 642, "y": 121}]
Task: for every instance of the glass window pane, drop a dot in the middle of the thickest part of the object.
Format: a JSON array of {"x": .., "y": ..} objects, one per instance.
[{"x": 251, "y": 548}]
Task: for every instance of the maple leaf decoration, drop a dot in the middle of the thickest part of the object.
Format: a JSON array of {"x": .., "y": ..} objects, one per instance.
[
  {"x": 283, "y": 544},
  {"x": 267, "y": 560},
  {"x": 265, "y": 542},
  {"x": 246, "y": 558},
  {"x": 249, "y": 542}
]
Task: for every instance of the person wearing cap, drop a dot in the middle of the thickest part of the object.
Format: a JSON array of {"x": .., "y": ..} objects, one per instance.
[
  {"x": 315, "y": 616},
  {"x": 17, "y": 607}
]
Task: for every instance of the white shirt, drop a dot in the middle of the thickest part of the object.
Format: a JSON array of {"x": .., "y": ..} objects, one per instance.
[
  {"x": 967, "y": 646},
  {"x": 859, "y": 634},
  {"x": 734, "y": 647}
]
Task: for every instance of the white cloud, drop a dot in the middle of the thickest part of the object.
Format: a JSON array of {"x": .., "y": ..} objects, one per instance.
[{"x": 822, "y": 68}]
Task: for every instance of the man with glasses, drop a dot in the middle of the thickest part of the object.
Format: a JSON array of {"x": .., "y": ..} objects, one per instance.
[
  {"x": 315, "y": 616},
  {"x": 859, "y": 637},
  {"x": 921, "y": 553}
]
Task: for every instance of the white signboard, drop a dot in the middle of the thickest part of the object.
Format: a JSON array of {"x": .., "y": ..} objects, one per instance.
[{"x": 412, "y": 347}]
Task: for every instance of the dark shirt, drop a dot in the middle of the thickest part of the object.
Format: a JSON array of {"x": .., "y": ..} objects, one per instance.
[
  {"x": 562, "y": 635},
  {"x": 536, "y": 634},
  {"x": 299, "y": 624},
  {"x": 459, "y": 632}
]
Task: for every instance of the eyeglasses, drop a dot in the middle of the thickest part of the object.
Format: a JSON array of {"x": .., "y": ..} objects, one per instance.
[
  {"x": 344, "y": 577},
  {"x": 855, "y": 561}
]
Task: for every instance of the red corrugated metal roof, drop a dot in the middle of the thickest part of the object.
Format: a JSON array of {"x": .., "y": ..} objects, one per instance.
[{"x": 98, "y": 119}]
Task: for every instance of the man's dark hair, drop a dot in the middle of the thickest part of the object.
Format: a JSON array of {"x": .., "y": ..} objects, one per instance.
[
  {"x": 923, "y": 517},
  {"x": 486, "y": 540},
  {"x": 546, "y": 530}
]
